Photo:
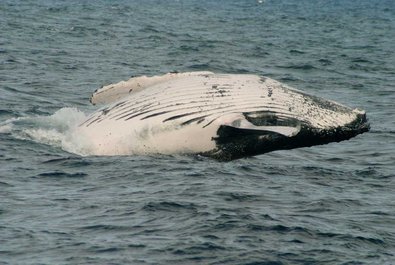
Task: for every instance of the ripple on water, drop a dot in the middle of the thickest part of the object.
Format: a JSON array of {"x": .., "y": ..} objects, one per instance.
[{"x": 61, "y": 174}]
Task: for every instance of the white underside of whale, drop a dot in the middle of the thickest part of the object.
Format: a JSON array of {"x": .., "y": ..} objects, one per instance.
[{"x": 181, "y": 112}]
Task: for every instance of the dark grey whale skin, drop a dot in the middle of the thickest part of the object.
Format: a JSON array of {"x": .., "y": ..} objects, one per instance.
[{"x": 234, "y": 143}]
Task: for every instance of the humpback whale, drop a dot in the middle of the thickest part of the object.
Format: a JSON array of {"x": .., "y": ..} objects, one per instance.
[{"x": 223, "y": 116}]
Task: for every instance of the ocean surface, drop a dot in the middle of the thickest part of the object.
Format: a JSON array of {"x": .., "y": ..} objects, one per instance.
[{"x": 331, "y": 204}]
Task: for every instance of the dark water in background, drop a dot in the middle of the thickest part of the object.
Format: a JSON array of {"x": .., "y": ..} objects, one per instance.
[{"x": 332, "y": 204}]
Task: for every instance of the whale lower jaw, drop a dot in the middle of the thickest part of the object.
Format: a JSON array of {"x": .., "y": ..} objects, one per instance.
[{"x": 234, "y": 143}]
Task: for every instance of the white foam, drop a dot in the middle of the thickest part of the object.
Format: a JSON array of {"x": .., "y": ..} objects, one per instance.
[
  {"x": 5, "y": 128},
  {"x": 56, "y": 130}
]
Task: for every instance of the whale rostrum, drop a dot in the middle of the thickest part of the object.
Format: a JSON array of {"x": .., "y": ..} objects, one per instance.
[{"x": 224, "y": 116}]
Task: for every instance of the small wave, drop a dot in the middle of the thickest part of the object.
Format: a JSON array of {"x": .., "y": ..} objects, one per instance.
[
  {"x": 5, "y": 184},
  {"x": 104, "y": 249},
  {"x": 360, "y": 60},
  {"x": 348, "y": 237},
  {"x": 105, "y": 227},
  {"x": 202, "y": 66},
  {"x": 168, "y": 206},
  {"x": 198, "y": 248},
  {"x": 325, "y": 62},
  {"x": 357, "y": 66},
  {"x": 299, "y": 67},
  {"x": 57, "y": 9},
  {"x": 61, "y": 174},
  {"x": 239, "y": 196},
  {"x": 149, "y": 29},
  {"x": 68, "y": 161},
  {"x": 296, "y": 52},
  {"x": 382, "y": 131},
  {"x": 6, "y": 113}
]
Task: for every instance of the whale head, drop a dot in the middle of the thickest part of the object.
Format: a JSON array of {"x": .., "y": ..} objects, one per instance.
[{"x": 298, "y": 120}]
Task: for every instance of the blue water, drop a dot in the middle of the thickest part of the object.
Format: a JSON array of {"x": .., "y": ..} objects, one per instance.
[{"x": 331, "y": 204}]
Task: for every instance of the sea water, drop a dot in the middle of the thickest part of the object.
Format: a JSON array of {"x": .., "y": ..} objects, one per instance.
[{"x": 331, "y": 204}]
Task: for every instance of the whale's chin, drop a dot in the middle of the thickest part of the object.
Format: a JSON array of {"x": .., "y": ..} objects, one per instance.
[
  {"x": 234, "y": 143},
  {"x": 223, "y": 116}
]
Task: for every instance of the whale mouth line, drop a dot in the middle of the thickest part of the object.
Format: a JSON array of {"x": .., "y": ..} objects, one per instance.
[{"x": 232, "y": 142}]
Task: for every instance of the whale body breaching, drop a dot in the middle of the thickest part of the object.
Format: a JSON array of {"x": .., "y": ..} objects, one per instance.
[{"x": 223, "y": 116}]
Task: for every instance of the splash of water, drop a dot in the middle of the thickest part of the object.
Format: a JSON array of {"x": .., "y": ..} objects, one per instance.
[{"x": 56, "y": 130}]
